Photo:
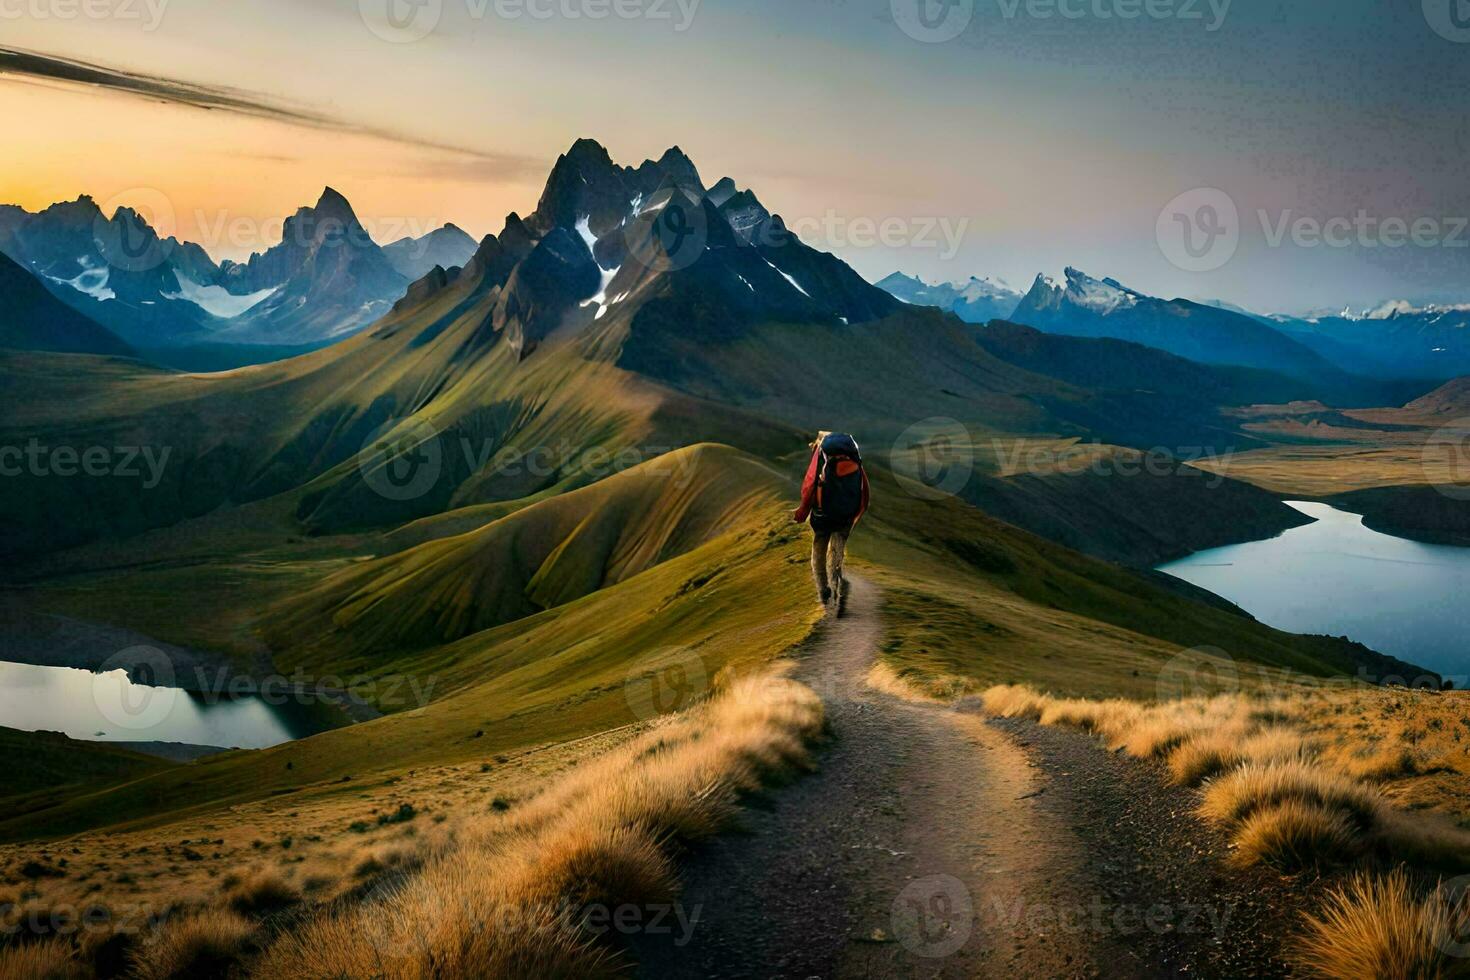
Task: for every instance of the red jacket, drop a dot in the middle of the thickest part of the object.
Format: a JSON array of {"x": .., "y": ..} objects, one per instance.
[{"x": 809, "y": 491}]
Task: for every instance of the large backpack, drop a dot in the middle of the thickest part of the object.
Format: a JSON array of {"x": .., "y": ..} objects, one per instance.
[{"x": 839, "y": 478}]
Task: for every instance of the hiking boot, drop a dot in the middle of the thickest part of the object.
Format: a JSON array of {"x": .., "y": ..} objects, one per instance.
[{"x": 826, "y": 595}]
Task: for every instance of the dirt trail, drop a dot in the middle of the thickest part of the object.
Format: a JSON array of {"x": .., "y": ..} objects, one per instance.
[{"x": 916, "y": 850}]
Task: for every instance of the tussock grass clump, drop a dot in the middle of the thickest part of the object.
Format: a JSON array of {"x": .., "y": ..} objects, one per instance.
[
  {"x": 1376, "y": 927},
  {"x": 51, "y": 960},
  {"x": 205, "y": 944},
  {"x": 1014, "y": 701},
  {"x": 1296, "y": 835},
  {"x": 1201, "y": 757},
  {"x": 1383, "y": 765},
  {"x": 263, "y": 893},
  {"x": 504, "y": 899},
  {"x": 1091, "y": 716},
  {"x": 1237, "y": 794}
]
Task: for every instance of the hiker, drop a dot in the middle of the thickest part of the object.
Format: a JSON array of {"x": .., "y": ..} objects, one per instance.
[{"x": 835, "y": 495}]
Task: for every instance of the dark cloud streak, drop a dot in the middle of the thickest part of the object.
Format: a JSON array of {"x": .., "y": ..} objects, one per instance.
[{"x": 22, "y": 65}]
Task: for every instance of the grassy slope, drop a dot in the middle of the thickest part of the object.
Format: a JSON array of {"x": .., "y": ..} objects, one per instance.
[
  {"x": 549, "y": 553},
  {"x": 973, "y": 601},
  {"x": 48, "y": 765},
  {"x": 741, "y": 598},
  {"x": 967, "y": 596}
]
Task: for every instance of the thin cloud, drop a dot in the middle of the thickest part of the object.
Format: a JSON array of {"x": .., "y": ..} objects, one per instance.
[{"x": 22, "y": 65}]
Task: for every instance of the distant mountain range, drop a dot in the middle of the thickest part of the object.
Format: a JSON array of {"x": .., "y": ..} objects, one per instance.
[
  {"x": 1395, "y": 340},
  {"x": 632, "y": 308},
  {"x": 976, "y": 301},
  {"x": 325, "y": 280},
  {"x": 1086, "y": 307},
  {"x": 448, "y": 247}
]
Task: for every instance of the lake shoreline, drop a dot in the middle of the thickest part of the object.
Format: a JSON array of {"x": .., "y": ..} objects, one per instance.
[
  {"x": 1340, "y": 576},
  {"x": 48, "y": 640}
]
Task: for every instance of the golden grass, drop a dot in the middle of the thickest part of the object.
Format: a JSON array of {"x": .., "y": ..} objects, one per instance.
[
  {"x": 51, "y": 960},
  {"x": 1296, "y": 834},
  {"x": 1300, "y": 780},
  {"x": 264, "y": 892},
  {"x": 1232, "y": 797},
  {"x": 881, "y": 677},
  {"x": 1013, "y": 701},
  {"x": 207, "y": 943},
  {"x": 503, "y": 898},
  {"x": 1377, "y": 927}
]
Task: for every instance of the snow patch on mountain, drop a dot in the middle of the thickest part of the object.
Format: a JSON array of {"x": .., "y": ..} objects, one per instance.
[
  {"x": 216, "y": 300},
  {"x": 788, "y": 279},
  {"x": 91, "y": 281}
]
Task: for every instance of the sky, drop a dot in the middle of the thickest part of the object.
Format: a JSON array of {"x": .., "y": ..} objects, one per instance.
[{"x": 1184, "y": 147}]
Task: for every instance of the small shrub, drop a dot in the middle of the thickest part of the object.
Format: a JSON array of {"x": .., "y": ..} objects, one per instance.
[{"x": 403, "y": 814}]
